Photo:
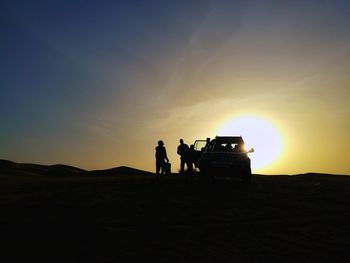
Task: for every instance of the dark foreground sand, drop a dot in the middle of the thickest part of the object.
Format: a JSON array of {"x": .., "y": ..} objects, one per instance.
[{"x": 123, "y": 217}]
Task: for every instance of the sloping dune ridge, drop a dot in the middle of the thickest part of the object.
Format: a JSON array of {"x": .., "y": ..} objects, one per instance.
[
  {"x": 9, "y": 167},
  {"x": 59, "y": 213}
]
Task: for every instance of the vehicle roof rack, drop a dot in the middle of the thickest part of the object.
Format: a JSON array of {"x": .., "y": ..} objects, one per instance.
[{"x": 233, "y": 139}]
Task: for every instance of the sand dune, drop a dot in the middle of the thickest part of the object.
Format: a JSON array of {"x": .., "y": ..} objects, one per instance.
[
  {"x": 125, "y": 216},
  {"x": 122, "y": 170},
  {"x": 13, "y": 168}
]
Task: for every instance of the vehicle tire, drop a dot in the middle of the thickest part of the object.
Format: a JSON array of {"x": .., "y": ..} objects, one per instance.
[{"x": 247, "y": 176}]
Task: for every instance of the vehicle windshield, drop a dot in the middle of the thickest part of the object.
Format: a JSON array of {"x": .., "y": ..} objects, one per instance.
[
  {"x": 224, "y": 146},
  {"x": 199, "y": 145}
]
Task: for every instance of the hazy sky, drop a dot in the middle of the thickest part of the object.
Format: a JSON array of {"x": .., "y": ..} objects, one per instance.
[{"x": 96, "y": 84}]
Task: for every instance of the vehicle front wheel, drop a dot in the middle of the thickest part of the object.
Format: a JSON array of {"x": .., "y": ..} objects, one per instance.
[{"x": 247, "y": 176}]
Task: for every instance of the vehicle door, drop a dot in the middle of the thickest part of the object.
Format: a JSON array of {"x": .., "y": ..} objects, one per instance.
[{"x": 199, "y": 147}]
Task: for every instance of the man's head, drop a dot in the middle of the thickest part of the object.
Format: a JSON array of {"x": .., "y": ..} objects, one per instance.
[{"x": 181, "y": 141}]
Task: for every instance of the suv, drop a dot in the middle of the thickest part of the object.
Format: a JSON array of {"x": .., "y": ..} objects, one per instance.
[{"x": 223, "y": 156}]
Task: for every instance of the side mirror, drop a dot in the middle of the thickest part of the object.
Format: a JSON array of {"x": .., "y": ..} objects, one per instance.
[{"x": 251, "y": 150}]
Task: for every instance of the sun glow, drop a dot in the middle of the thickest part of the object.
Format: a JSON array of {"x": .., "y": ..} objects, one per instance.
[{"x": 258, "y": 134}]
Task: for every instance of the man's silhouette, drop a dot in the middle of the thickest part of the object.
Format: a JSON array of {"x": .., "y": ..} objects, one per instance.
[
  {"x": 161, "y": 157},
  {"x": 207, "y": 143},
  {"x": 192, "y": 158},
  {"x": 183, "y": 151}
]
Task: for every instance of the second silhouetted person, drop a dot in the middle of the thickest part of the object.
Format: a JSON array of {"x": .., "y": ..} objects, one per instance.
[{"x": 183, "y": 151}]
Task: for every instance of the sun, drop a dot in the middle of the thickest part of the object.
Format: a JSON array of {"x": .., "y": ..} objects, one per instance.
[{"x": 259, "y": 134}]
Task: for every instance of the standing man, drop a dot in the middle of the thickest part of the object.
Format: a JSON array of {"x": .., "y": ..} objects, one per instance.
[
  {"x": 192, "y": 159},
  {"x": 161, "y": 157},
  {"x": 183, "y": 151},
  {"x": 207, "y": 144}
]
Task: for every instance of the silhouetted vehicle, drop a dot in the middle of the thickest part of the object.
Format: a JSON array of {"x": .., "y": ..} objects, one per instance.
[{"x": 223, "y": 156}]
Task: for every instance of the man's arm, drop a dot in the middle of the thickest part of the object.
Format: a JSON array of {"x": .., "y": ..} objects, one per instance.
[{"x": 165, "y": 155}]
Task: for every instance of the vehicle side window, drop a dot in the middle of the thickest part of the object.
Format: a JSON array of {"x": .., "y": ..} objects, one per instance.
[
  {"x": 217, "y": 147},
  {"x": 211, "y": 146}
]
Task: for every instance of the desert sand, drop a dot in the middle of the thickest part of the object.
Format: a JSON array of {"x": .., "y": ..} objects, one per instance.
[{"x": 65, "y": 214}]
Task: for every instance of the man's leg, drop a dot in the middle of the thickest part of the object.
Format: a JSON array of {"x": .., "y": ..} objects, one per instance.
[
  {"x": 162, "y": 168},
  {"x": 190, "y": 167},
  {"x": 182, "y": 166},
  {"x": 157, "y": 170},
  {"x": 157, "y": 167}
]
